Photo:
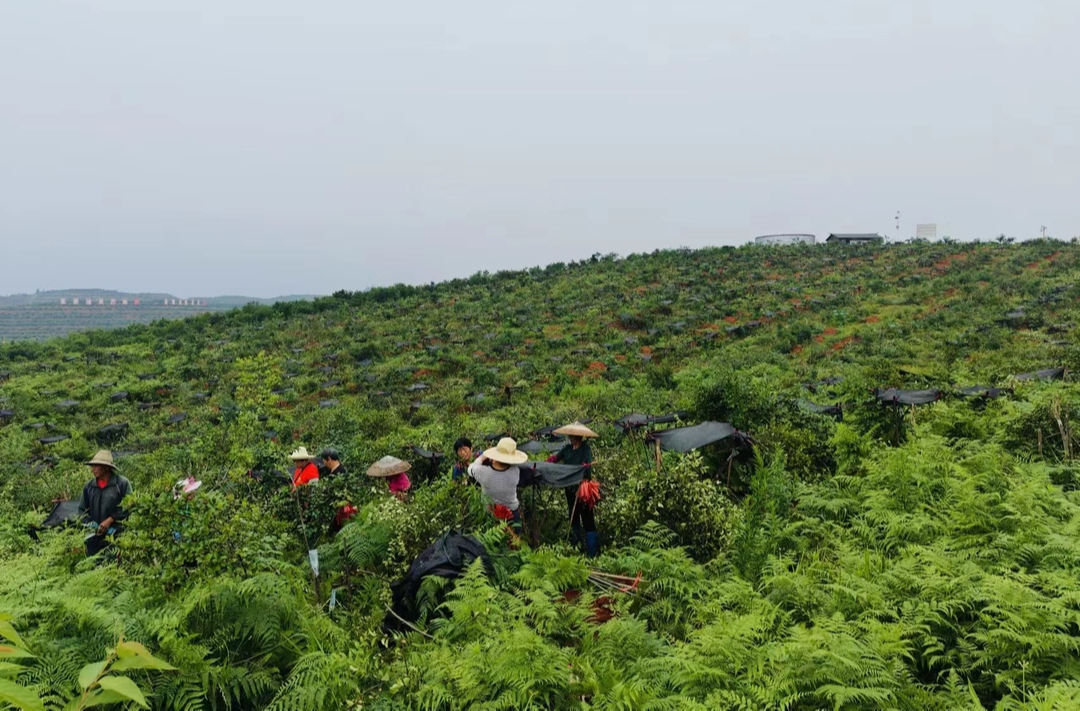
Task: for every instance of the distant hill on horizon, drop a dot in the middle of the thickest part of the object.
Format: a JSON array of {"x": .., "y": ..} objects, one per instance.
[
  {"x": 58, "y": 312},
  {"x": 54, "y": 296}
]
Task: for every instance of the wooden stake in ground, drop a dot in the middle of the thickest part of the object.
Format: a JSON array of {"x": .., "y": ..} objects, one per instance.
[{"x": 1063, "y": 428}]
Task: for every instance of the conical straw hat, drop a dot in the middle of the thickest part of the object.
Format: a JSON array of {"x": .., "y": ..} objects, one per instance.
[
  {"x": 388, "y": 466},
  {"x": 577, "y": 429}
]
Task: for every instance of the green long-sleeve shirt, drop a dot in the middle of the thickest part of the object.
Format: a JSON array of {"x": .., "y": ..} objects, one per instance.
[{"x": 569, "y": 455}]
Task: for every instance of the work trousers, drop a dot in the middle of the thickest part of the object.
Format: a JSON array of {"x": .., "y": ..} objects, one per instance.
[
  {"x": 582, "y": 515},
  {"x": 95, "y": 544}
]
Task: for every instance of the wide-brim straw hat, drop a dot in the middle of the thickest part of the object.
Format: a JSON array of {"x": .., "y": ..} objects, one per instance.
[
  {"x": 575, "y": 429},
  {"x": 506, "y": 451},
  {"x": 300, "y": 455},
  {"x": 103, "y": 457},
  {"x": 388, "y": 466}
]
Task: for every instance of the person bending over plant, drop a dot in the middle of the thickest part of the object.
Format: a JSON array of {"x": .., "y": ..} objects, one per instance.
[
  {"x": 101, "y": 498},
  {"x": 497, "y": 473},
  {"x": 393, "y": 470}
]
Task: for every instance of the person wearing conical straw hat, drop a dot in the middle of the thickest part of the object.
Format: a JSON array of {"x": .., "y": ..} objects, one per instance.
[
  {"x": 101, "y": 498},
  {"x": 497, "y": 473},
  {"x": 393, "y": 470},
  {"x": 306, "y": 471},
  {"x": 577, "y": 451}
]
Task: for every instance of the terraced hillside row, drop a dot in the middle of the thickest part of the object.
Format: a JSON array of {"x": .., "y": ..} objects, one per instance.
[{"x": 847, "y": 551}]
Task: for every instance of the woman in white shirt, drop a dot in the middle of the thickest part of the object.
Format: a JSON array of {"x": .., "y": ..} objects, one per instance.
[{"x": 497, "y": 473}]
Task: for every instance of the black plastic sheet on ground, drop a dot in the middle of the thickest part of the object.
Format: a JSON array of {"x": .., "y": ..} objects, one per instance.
[
  {"x": 687, "y": 439},
  {"x": 557, "y": 476},
  {"x": 1045, "y": 374},
  {"x": 982, "y": 391},
  {"x": 111, "y": 433},
  {"x": 893, "y": 396},
  {"x": 448, "y": 557},
  {"x": 827, "y": 410}
]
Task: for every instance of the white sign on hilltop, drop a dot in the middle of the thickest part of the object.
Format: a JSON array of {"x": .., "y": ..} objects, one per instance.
[{"x": 927, "y": 231}]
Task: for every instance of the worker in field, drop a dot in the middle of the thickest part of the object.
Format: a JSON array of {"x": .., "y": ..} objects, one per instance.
[
  {"x": 497, "y": 473},
  {"x": 101, "y": 498},
  {"x": 332, "y": 462},
  {"x": 339, "y": 489},
  {"x": 306, "y": 471},
  {"x": 463, "y": 450},
  {"x": 580, "y": 499},
  {"x": 393, "y": 470}
]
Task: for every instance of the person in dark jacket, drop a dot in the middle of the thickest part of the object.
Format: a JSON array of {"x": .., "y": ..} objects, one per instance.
[
  {"x": 101, "y": 499},
  {"x": 339, "y": 490},
  {"x": 582, "y": 520},
  {"x": 332, "y": 462}
]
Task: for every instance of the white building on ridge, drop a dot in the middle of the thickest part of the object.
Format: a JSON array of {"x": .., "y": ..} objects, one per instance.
[{"x": 785, "y": 239}]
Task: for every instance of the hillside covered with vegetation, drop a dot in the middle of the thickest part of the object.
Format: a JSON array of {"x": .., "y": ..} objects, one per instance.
[{"x": 883, "y": 557}]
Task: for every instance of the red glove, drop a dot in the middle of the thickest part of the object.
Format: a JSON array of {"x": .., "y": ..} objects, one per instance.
[
  {"x": 553, "y": 459},
  {"x": 589, "y": 493}
]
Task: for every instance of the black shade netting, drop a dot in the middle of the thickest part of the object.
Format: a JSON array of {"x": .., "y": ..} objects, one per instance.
[
  {"x": 557, "y": 476},
  {"x": 893, "y": 396},
  {"x": 687, "y": 439},
  {"x": 983, "y": 391}
]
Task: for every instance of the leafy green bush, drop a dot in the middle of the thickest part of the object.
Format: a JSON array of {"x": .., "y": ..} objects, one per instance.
[
  {"x": 681, "y": 497},
  {"x": 199, "y": 538}
]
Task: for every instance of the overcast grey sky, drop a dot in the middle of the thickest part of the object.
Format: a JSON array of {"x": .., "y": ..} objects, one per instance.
[{"x": 267, "y": 147}]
